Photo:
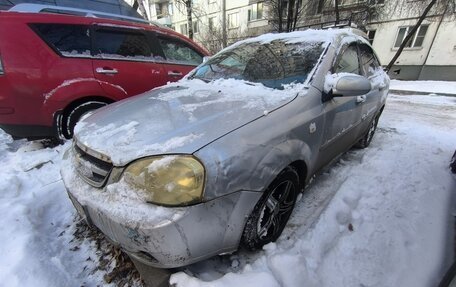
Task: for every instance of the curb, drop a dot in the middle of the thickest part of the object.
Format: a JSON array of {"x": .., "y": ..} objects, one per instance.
[{"x": 404, "y": 92}]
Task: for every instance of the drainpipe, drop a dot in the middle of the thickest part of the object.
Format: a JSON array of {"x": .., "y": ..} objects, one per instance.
[{"x": 433, "y": 39}]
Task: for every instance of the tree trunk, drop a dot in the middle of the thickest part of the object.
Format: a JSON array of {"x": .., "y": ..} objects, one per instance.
[
  {"x": 188, "y": 5},
  {"x": 279, "y": 15},
  {"x": 336, "y": 9},
  {"x": 290, "y": 14},
  {"x": 296, "y": 14},
  {"x": 409, "y": 35}
]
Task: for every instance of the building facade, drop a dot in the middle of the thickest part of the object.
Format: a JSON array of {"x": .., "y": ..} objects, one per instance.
[{"x": 216, "y": 23}]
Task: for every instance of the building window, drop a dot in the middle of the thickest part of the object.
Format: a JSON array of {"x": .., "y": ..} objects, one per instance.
[
  {"x": 255, "y": 11},
  {"x": 371, "y": 36},
  {"x": 195, "y": 27},
  {"x": 415, "y": 41},
  {"x": 211, "y": 23},
  {"x": 233, "y": 20},
  {"x": 183, "y": 29},
  {"x": 170, "y": 8}
]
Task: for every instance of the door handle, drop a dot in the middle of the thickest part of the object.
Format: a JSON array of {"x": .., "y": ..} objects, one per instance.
[
  {"x": 106, "y": 71},
  {"x": 360, "y": 99},
  {"x": 175, "y": 74}
]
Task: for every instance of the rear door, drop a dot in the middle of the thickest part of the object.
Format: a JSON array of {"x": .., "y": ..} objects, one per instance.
[
  {"x": 181, "y": 57},
  {"x": 125, "y": 61}
]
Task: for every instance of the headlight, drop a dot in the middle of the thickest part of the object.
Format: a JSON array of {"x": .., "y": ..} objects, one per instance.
[{"x": 167, "y": 180}]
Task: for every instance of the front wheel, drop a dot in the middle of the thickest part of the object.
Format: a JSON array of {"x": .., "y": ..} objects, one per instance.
[
  {"x": 271, "y": 213},
  {"x": 367, "y": 138},
  {"x": 72, "y": 116}
]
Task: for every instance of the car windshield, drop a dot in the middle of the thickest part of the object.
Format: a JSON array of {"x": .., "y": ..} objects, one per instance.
[{"x": 274, "y": 64}]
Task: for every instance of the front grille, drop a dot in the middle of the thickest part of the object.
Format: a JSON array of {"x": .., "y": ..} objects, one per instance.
[{"x": 92, "y": 169}]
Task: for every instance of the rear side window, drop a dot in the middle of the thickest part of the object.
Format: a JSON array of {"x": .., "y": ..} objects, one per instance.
[
  {"x": 348, "y": 62},
  {"x": 122, "y": 45},
  {"x": 179, "y": 52},
  {"x": 369, "y": 62},
  {"x": 70, "y": 40}
]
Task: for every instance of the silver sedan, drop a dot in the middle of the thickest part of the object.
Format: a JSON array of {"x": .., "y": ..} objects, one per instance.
[{"x": 199, "y": 167}]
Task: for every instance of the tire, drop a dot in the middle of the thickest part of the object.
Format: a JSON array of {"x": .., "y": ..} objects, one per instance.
[
  {"x": 365, "y": 141},
  {"x": 271, "y": 213},
  {"x": 453, "y": 163},
  {"x": 73, "y": 115}
]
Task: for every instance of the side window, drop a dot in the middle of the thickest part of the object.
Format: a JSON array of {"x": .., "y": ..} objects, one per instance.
[
  {"x": 368, "y": 60},
  {"x": 348, "y": 62},
  {"x": 70, "y": 40},
  {"x": 179, "y": 52},
  {"x": 122, "y": 45}
]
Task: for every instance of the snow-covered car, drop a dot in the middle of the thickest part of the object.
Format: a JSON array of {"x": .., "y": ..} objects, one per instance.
[{"x": 217, "y": 160}]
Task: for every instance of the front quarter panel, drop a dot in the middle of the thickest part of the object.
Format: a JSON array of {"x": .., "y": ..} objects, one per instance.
[{"x": 250, "y": 157}]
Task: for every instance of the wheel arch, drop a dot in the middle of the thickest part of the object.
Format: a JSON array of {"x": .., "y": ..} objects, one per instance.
[{"x": 79, "y": 101}]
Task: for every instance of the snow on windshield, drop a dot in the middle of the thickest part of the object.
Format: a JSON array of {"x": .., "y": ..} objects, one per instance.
[{"x": 274, "y": 64}]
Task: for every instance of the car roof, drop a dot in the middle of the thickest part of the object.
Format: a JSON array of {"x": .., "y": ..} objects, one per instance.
[{"x": 50, "y": 17}]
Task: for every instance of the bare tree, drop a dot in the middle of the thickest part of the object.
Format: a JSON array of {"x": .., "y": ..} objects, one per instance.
[
  {"x": 336, "y": 10},
  {"x": 412, "y": 31},
  {"x": 188, "y": 4},
  {"x": 284, "y": 14}
]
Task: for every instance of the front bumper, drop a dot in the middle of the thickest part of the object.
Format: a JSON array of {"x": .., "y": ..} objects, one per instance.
[{"x": 160, "y": 236}]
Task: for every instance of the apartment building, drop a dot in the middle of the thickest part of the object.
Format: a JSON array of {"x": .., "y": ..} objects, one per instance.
[
  {"x": 216, "y": 23},
  {"x": 429, "y": 55}
]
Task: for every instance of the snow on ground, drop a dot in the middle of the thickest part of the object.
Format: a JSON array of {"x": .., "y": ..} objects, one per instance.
[
  {"x": 424, "y": 86},
  {"x": 379, "y": 217}
]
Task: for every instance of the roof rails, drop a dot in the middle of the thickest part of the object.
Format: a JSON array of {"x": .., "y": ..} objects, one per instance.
[
  {"x": 343, "y": 23},
  {"x": 39, "y": 8}
]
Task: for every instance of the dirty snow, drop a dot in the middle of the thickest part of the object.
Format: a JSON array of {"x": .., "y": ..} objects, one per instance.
[{"x": 378, "y": 217}]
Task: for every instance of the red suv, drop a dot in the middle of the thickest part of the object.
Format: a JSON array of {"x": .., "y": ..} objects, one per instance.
[{"x": 55, "y": 68}]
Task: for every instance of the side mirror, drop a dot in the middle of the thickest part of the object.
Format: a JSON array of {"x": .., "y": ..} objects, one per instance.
[{"x": 347, "y": 85}]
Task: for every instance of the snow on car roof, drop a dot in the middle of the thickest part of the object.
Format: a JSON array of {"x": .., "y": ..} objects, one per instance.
[{"x": 310, "y": 35}]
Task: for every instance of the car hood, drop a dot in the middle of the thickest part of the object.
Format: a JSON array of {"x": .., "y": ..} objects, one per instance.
[{"x": 179, "y": 118}]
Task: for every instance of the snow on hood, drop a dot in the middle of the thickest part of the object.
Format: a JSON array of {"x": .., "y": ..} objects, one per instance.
[{"x": 179, "y": 118}]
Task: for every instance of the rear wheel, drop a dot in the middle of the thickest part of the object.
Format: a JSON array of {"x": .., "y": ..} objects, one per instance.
[
  {"x": 271, "y": 213},
  {"x": 73, "y": 115}
]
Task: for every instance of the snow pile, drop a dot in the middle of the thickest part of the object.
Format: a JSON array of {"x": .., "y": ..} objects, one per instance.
[{"x": 37, "y": 221}]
